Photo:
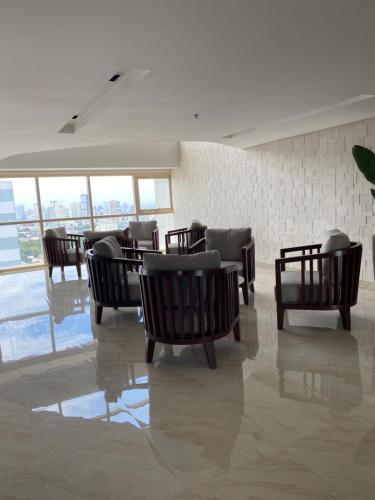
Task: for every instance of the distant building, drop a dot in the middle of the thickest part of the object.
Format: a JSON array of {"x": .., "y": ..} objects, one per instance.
[
  {"x": 84, "y": 204},
  {"x": 76, "y": 209},
  {"x": 9, "y": 247}
]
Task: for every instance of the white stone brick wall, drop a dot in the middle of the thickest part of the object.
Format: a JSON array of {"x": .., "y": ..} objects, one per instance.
[{"x": 289, "y": 191}]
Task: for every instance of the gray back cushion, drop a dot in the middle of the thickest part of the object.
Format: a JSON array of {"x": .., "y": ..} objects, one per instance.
[
  {"x": 108, "y": 247},
  {"x": 98, "y": 235},
  {"x": 56, "y": 232},
  {"x": 142, "y": 230},
  {"x": 336, "y": 241},
  {"x": 196, "y": 224},
  {"x": 228, "y": 242},
  {"x": 160, "y": 262}
]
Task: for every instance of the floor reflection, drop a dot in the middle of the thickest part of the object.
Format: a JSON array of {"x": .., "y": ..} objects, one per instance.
[
  {"x": 52, "y": 317},
  {"x": 321, "y": 368}
]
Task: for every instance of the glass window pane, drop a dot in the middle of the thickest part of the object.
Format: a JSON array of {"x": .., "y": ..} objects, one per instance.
[
  {"x": 111, "y": 223},
  {"x": 71, "y": 226},
  {"x": 165, "y": 223},
  {"x": 20, "y": 244},
  {"x": 64, "y": 197},
  {"x": 18, "y": 200},
  {"x": 154, "y": 193},
  {"x": 112, "y": 194}
]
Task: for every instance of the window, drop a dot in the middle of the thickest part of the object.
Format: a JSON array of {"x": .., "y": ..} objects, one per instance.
[
  {"x": 30, "y": 205},
  {"x": 154, "y": 194},
  {"x": 112, "y": 195},
  {"x": 63, "y": 197}
]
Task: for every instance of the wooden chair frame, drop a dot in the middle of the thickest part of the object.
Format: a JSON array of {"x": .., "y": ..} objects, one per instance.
[
  {"x": 57, "y": 255},
  {"x": 248, "y": 264},
  {"x": 215, "y": 308},
  {"x": 108, "y": 279},
  {"x": 341, "y": 290},
  {"x": 185, "y": 238}
]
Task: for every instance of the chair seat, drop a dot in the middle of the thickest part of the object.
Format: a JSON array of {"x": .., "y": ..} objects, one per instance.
[
  {"x": 134, "y": 286},
  {"x": 291, "y": 287},
  {"x": 72, "y": 259},
  {"x": 173, "y": 249},
  {"x": 237, "y": 263},
  {"x": 145, "y": 244}
]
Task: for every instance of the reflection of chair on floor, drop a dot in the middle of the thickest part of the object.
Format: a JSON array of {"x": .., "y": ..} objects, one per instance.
[
  {"x": 212, "y": 415},
  {"x": 329, "y": 368},
  {"x": 119, "y": 365},
  {"x": 67, "y": 298}
]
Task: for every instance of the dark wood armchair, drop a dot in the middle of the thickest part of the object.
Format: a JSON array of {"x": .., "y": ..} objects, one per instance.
[
  {"x": 91, "y": 237},
  {"x": 144, "y": 233},
  {"x": 324, "y": 281},
  {"x": 62, "y": 249},
  {"x": 114, "y": 280},
  {"x": 244, "y": 256},
  {"x": 179, "y": 241},
  {"x": 190, "y": 307}
]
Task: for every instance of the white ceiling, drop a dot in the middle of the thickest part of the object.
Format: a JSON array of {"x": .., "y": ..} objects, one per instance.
[{"x": 262, "y": 66}]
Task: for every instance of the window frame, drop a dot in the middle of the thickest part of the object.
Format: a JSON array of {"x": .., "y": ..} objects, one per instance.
[{"x": 42, "y": 220}]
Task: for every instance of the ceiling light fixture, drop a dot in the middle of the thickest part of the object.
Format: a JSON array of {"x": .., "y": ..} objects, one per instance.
[{"x": 116, "y": 85}]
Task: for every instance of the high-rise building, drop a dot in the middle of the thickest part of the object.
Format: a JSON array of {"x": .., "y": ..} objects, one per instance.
[
  {"x": 9, "y": 246},
  {"x": 76, "y": 209},
  {"x": 84, "y": 204}
]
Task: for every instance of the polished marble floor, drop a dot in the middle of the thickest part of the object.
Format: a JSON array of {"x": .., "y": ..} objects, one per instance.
[{"x": 286, "y": 415}]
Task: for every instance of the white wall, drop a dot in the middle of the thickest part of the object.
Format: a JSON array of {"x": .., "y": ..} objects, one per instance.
[
  {"x": 288, "y": 191},
  {"x": 136, "y": 155}
]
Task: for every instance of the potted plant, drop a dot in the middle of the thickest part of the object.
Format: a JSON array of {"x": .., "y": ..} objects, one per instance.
[{"x": 365, "y": 160}]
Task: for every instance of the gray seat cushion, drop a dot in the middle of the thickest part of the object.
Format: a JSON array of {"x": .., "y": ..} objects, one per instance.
[
  {"x": 72, "y": 257},
  {"x": 160, "y": 262},
  {"x": 145, "y": 244},
  {"x": 56, "y": 232},
  {"x": 291, "y": 287},
  {"x": 173, "y": 249},
  {"x": 142, "y": 230},
  {"x": 134, "y": 286},
  {"x": 237, "y": 263},
  {"x": 109, "y": 248},
  {"x": 98, "y": 235},
  {"x": 228, "y": 242}
]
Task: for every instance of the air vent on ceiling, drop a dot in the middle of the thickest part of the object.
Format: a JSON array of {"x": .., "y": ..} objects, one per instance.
[
  {"x": 116, "y": 85},
  {"x": 115, "y": 77}
]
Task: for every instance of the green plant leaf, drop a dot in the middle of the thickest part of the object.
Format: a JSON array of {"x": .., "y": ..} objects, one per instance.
[{"x": 365, "y": 159}]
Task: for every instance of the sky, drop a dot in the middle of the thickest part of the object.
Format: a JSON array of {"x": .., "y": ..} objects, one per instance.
[{"x": 68, "y": 189}]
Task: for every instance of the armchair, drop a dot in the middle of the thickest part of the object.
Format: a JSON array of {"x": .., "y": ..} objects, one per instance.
[
  {"x": 91, "y": 237},
  {"x": 62, "y": 249},
  {"x": 236, "y": 247},
  {"x": 145, "y": 234},
  {"x": 112, "y": 283},
  {"x": 179, "y": 241},
  {"x": 189, "y": 299},
  {"x": 326, "y": 280}
]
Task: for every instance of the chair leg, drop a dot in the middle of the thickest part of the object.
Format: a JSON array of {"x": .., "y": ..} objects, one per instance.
[
  {"x": 280, "y": 317},
  {"x": 150, "y": 350},
  {"x": 50, "y": 269},
  {"x": 115, "y": 308},
  {"x": 62, "y": 269},
  {"x": 78, "y": 266},
  {"x": 237, "y": 331},
  {"x": 209, "y": 349},
  {"x": 252, "y": 289},
  {"x": 245, "y": 293},
  {"x": 98, "y": 314},
  {"x": 345, "y": 317}
]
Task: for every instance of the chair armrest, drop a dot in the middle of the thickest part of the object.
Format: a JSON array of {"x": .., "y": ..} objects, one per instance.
[
  {"x": 302, "y": 248},
  {"x": 248, "y": 260},
  {"x": 155, "y": 239},
  {"x": 139, "y": 251},
  {"x": 198, "y": 246},
  {"x": 176, "y": 231}
]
